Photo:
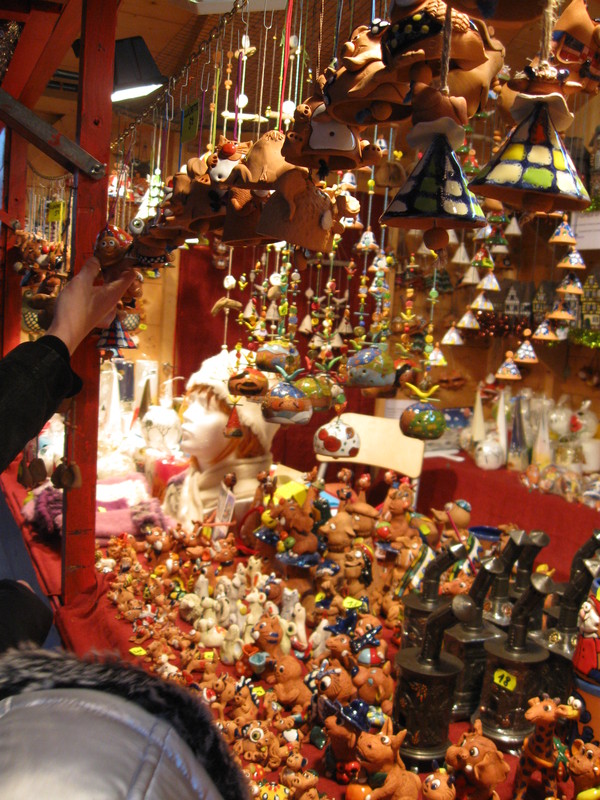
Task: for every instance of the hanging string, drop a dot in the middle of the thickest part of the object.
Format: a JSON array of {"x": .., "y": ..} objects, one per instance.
[
  {"x": 373, "y": 11},
  {"x": 338, "y": 25},
  {"x": 286, "y": 56},
  {"x": 548, "y": 19},
  {"x": 238, "y": 89},
  {"x": 320, "y": 40},
  {"x": 351, "y": 25},
  {"x": 445, "y": 61}
]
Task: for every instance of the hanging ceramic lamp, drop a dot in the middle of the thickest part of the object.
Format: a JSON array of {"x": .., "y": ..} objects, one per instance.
[
  {"x": 452, "y": 336},
  {"x": 482, "y": 258},
  {"x": 436, "y": 358},
  {"x": 573, "y": 260},
  {"x": 471, "y": 277},
  {"x": 508, "y": 370},
  {"x": 461, "y": 256},
  {"x": 468, "y": 321},
  {"x": 452, "y": 237},
  {"x": 489, "y": 283},
  {"x": 563, "y": 234},
  {"x": 435, "y": 194},
  {"x": 532, "y": 168},
  {"x": 544, "y": 332},
  {"x": 513, "y": 228},
  {"x": 570, "y": 284},
  {"x": 525, "y": 353},
  {"x": 559, "y": 313},
  {"x": 482, "y": 303}
]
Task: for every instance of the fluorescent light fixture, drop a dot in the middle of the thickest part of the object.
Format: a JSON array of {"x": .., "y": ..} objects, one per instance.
[{"x": 136, "y": 73}]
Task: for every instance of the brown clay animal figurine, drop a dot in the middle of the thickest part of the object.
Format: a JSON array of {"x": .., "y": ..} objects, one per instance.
[
  {"x": 439, "y": 785},
  {"x": 583, "y": 766},
  {"x": 380, "y": 752},
  {"x": 477, "y": 765},
  {"x": 539, "y": 753}
]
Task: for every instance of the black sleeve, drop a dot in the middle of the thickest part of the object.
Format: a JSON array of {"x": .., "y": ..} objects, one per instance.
[{"x": 35, "y": 378}]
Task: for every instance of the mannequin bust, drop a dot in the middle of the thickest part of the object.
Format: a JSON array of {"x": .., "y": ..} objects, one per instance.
[{"x": 195, "y": 493}]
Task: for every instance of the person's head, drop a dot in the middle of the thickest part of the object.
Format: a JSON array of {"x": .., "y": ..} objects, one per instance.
[{"x": 206, "y": 412}]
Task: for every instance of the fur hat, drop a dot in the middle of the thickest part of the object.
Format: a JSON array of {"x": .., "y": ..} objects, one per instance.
[{"x": 215, "y": 371}]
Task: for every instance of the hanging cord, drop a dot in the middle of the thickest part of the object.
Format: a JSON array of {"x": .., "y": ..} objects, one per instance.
[
  {"x": 286, "y": 56},
  {"x": 548, "y": 19},
  {"x": 351, "y": 25},
  {"x": 338, "y": 25},
  {"x": 445, "y": 62},
  {"x": 203, "y": 89},
  {"x": 320, "y": 40}
]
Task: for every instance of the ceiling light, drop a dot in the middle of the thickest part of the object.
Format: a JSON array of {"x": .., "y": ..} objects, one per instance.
[{"x": 136, "y": 73}]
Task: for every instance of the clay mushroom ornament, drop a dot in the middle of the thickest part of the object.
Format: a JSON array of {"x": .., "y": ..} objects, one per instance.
[{"x": 318, "y": 141}]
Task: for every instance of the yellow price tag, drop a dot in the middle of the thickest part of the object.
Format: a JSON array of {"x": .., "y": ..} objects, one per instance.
[
  {"x": 352, "y": 602},
  {"x": 209, "y": 655},
  {"x": 319, "y": 597},
  {"x": 137, "y": 651},
  {"x": 505, "y": 680},
  {"x": 258, "y": 691},
  {"x": 55, "y": 211}
]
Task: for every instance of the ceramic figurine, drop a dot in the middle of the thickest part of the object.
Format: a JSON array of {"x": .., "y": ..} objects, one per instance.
[
  {"x": 343, "y": 729},
  {"x": 262, "y": 165},
  {"x": 477, "y": 764},
  {"x": 539, "y": 752},
  {"x": 259, "y": 745},
  {"x": 380, "y": 752},
  {"x": 439, "y": 785},
  {"x": 291, "y": 691},
  {"x": 584, "y": 769},
  {"x": 455, "y": 515}
]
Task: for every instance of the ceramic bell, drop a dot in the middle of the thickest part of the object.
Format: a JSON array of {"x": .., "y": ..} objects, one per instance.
[
  {"x": 563, "y": 233},
  {"x": 544, "y": 332},
  {"x": 277, "y": 353},
  {"x": 318, "y": 389},
  {"x": 251, "y": 382},
  {"x": 452, "y": 336},
  {"x": 422, "y": 421},
  {"x": 532, "y": 168},
  {"x": 468, "y": 321},
  {"x": 286, "y": 405},
  {"x": 371, "y": 366},
  {"x": 336, "y": 439},
  {"x": 525, "y": 353},
  {"x": 508, "y": 370},
  {"x": 572, "y": 260}
]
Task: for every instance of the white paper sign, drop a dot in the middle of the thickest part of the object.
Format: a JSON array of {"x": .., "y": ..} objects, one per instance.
[
  {"x": 586, "y": 227},
  {"x": 225, "y": 508}
]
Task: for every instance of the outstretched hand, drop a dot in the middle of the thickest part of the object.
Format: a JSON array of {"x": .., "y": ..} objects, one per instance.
[{"x": 82, "y": 305}]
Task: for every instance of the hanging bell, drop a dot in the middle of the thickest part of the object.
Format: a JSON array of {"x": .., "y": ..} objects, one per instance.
[
  {"x": 422, "y": 421},
  {"x": 489, "y": 283},
  {"x": 461, "y": 256},
  {"x": 544, "y": 332},
  {"x": 468, "y": 321},
  {"x": 115, "y": 338},
  {"x": 336, "y": 439},
  {"x": 285, "y": 404},
  {"x": 513, "y": 229},
  {"x": 563, "y": 233},
  {"x": 532, "y": 168},
  {"x": 435, "y": 193},
  {"x": 233, "y": 429},
  {"x": 452, "y": 336},
  {"x": 508, "y": 370},
  {"x": 481, "y": 303},
  {"x": 573, "y": 260},
  {"x": 436, "y": 358},
  {"x": 525, "y": 353}
]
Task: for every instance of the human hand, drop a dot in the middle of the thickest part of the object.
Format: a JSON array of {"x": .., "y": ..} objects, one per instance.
[{"x": 82, "y": 305}]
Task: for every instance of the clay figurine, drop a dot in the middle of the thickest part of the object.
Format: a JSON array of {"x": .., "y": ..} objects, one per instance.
[
  {"x": 380, "y": 752},
  {"x": 477, "y": 764},
  {"x": 584, "y": 767}
]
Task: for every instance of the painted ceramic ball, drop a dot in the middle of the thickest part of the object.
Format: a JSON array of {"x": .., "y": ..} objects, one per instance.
[
  {"x": 286, "y": 405},
  {"x": 277, "y": 353},
  {"x": 371, "y": 367},
  {"x": 336, "y": 439},
  {"x": 318, "y": 389},
  {"x": 422, "y": 421},
  {"x": 251, "y": 382}
]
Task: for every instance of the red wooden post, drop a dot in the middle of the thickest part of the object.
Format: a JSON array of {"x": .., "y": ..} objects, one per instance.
[
  {"x": 93, "y": 134},
  {"x": 16, "y": 201}
]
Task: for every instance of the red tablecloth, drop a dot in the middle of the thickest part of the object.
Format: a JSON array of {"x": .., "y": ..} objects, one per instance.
[{"x": 498, "y": 497}]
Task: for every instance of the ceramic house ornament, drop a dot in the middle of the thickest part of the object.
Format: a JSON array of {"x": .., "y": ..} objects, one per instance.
[
  {"x": 532, "y": 169},
  {"x": 336, "y": 439},
  {"x": 508, "y": 370}
]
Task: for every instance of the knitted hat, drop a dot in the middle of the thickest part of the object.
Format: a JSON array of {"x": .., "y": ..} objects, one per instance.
[{"x": 214, "y": 372}]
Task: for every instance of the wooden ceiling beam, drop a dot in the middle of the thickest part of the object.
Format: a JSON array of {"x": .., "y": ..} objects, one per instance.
[
  {"x": 62, "y": 36},
  {"x": 31, "y": 44}
]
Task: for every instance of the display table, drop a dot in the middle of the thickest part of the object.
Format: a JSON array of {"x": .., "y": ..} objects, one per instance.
[{"x": 498, "y": 497}]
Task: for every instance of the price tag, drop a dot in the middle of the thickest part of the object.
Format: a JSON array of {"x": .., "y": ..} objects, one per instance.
[
  {"x": 189, "y": 121},
  {"x": 55, "y": 211},
  {"x": 319, "y": 597},
  {"x": 137, "y": 651},
  {"x": 258, "y": 691},
  {"x": 505, "y": 680},
  {"x": 352, "y": 602}
]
